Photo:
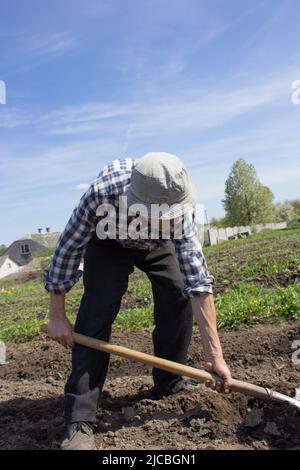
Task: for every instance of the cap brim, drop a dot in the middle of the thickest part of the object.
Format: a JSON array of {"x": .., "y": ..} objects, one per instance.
[{"x": 166, "y": 213}]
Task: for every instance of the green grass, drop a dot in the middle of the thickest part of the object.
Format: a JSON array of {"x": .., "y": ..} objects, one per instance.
[
  {"x": 252, "y": 303},
  {"x": 245, "y": 304},
  {"x": 266, "y": 254},
  {"x": 247, "y": 283},
  {"x": 134, "y": 319}
]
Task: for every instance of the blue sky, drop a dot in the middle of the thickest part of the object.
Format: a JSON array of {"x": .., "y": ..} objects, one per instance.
[{"x": 93, "y": 80}]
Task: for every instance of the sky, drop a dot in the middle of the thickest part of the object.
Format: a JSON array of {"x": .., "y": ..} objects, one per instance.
[{"x": 89, "y": 81}]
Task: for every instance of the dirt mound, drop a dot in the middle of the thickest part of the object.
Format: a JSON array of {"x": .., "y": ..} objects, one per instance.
[
  {"x": 31, "y": 401},
  {"x": 25, "y": 276},
  {"x": 281, "y": 279}
]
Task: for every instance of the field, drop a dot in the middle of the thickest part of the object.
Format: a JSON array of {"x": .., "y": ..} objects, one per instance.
[{"x": 257, "y": 292}]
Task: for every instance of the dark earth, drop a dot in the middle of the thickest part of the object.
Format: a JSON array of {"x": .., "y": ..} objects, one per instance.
[{"x": 31, "y": 397}]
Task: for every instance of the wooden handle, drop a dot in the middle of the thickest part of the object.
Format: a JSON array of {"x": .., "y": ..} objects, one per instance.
[
  {"x": 170, "y": 366},
  {"x": 181, "y": 369}
]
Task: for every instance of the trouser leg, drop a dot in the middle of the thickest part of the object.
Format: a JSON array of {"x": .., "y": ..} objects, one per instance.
[
  {"x": 106, "y": 270},
  {"x": 172, "y": 312}
]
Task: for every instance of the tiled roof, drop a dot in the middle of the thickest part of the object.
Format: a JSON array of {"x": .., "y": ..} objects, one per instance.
[
  {"x": 3, "y": 258},
  {"x": 48, "y": 239}
]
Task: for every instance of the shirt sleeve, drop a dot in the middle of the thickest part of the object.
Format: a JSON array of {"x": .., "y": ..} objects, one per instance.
[
  {"x": 192, "y": 262},
  {"x": 63, "y": 272}
]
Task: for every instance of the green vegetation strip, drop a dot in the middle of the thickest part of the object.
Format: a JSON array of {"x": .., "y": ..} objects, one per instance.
[
  {"x": 243, "y": 299},
  {"x": 245, "y": 304},
  {"x": 266, "y": 254}
]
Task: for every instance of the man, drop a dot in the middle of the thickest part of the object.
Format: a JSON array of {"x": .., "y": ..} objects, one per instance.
[{"x": 176, "y": 267}]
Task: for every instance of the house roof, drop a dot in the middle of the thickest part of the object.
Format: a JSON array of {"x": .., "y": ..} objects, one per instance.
[
  {"x": 4, "y": 258},
  {"x": 48, "y": 239}
]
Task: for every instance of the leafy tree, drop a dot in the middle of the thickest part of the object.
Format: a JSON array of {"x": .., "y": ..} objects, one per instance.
[
  {"x": 247, "y": 201},
  {"x": 2, "y": 249},
  {"x": 219, "y": 223},
  {"x": 296, "y": 206},
  {"x": 285, "y": 211}
]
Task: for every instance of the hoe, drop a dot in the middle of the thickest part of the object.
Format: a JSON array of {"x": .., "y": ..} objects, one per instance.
[{"x": 246, "y": 388}]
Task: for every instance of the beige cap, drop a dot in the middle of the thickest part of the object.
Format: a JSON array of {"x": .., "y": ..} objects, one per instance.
[{"x": 160, "y": 178}]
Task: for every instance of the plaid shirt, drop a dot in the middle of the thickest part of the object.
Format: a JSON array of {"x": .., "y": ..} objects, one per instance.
[{"x": 107, "y": 188}]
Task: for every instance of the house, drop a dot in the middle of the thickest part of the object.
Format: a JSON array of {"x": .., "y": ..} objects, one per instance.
[
  {"x": 22, "y": 250},
  {"x": 7, "y": 266}
]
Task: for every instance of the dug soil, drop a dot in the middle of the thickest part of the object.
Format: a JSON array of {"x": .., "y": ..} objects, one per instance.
[{"x": 31, "y": 397}]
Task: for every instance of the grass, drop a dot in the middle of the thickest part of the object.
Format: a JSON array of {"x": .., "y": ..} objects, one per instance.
[
  {"x": 251, "y": 303},
  {"x": 248, "y": 290},
  {"x": 267, "y": 255}
]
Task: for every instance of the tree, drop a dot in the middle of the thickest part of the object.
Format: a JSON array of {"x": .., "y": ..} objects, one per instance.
[
  {"x": 247, "y": 201},
  {"x": 219, "y": 223},
  {"x": 285, "y": 211},
  {"x": 296, "y": 206},
  {"x": 2, "y": 249}
]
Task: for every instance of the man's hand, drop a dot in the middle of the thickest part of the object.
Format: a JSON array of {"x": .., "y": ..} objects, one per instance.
[
  {"x": 205, "y": 314},
  {"x": 220, "y": 367},
  {"x": 61, "y": 331},
  {"x": 59, "y": 327}
]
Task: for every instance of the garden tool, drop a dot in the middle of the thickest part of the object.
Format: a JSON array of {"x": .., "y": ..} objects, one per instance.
[{"x": 199, "y": 375}]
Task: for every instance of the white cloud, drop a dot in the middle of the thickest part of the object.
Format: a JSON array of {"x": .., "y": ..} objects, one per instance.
[
  {"x": 92, "y": 134},
  {"x": 49, "y": 44},
  {"x": 280, "y": 175},
  {"x": 27, "y": 50},
  {"x": 81, "y": 186},
  {"x": 13, "y": 117},
  {"x": 275, "y": 138},
  {"x": 28, "y": 173},
  {"x": 194, "y": 110}
]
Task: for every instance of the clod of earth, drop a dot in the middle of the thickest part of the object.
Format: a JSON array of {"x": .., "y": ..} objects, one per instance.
[{"x": 254, "y": 418}]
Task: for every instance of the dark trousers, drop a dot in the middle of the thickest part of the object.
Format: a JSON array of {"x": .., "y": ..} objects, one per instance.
[{"x": 107, "y": 266}]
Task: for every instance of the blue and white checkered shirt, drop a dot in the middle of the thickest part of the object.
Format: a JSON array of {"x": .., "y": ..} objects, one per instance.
[{"x": 113, "y": 180}]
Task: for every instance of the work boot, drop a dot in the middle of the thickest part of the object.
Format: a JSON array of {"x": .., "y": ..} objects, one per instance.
[
  {"x": 79, "y": 436},
  {"x": 180, "y": 386}
]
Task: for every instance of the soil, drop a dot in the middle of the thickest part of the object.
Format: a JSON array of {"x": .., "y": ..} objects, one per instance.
[{"x": 31, "y": 397}]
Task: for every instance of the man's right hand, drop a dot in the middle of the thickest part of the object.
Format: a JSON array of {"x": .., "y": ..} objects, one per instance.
[
  {"x": 61, "y": 331},
  {"x": 59, "y": 327}
]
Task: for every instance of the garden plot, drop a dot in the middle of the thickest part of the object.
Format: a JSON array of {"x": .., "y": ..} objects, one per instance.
[{"x": 258, "y": 314}]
